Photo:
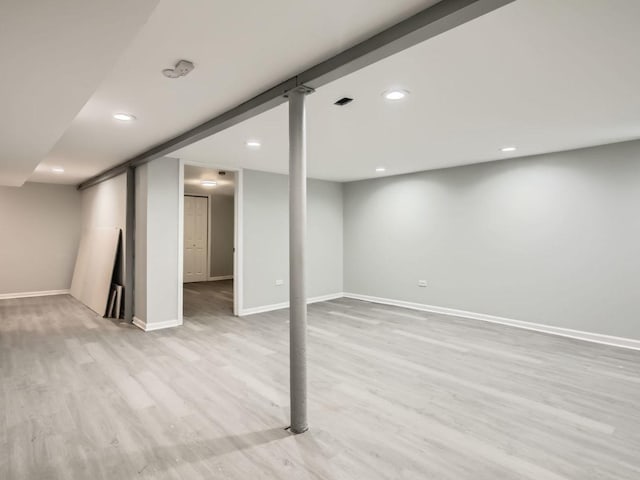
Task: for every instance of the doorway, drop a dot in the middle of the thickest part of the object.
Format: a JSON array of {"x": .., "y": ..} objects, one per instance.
[{"x": 209, "y": 240}]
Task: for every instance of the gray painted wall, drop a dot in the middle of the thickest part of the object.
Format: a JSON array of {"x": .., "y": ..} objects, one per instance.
[
  {"x": 551, "y": 239},
  {"x": 157, "y": 221},
  {"x": 221, "y": 209},
  {"x": 40, "y": 226},
  {"x": 105, "y": 206},
  {"x": 140, "y": 257},
  {"x": 266, "y": 238}
]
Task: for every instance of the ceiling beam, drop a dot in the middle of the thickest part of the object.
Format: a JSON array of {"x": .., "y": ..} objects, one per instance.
[{"x": 439, "y": 18}]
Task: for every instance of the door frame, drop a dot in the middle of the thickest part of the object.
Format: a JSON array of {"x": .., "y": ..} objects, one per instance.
[{"x": 237, "y": 237}]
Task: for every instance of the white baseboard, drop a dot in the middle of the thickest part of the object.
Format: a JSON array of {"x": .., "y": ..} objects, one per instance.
[
  {"x": 222, "y": 277},
  {"x": 44, "y": 293},
  {"x": 622, "y": 342},
  {"x": 538, "y": 327},
  {"x": 150, "y": 327},
  {"x": 278, "y": 306}
]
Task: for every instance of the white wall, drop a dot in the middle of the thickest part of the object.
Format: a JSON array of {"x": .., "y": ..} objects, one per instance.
[
  {"x": 157, "y": 297},
  {"x": 552, "y": 239},
  {"x": 40, "y": 232},
  {"x": 105, "y": 206},
  {"x": 266, "y": 238}
]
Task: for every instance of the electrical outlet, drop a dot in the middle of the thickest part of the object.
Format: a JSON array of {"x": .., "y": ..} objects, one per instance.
[
  {"x": 279, "y": 282},
  {"x": 422, "y": 283}
]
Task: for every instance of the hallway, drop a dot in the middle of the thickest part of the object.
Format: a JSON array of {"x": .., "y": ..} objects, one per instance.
[{"x": 204, "y": 299}]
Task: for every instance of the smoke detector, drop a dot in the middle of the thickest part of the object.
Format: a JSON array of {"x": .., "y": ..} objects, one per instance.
[{"x": 182, "y": 68}]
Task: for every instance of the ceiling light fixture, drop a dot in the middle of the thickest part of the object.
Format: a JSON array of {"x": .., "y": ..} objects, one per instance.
[
  {"x": 124, "y": 117},
  {"x": 508, "y": 149},
  {"x": 208, "y": 183},
  {"x": 395, "y": 94},
  {"x": 57, "y": 170},
  {"x": 253, "y": 144},
  {"x": 380, "y": 169}
]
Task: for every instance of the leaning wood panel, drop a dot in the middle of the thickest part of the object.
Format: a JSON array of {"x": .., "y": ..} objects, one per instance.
[{"x": 94, "y": 267}]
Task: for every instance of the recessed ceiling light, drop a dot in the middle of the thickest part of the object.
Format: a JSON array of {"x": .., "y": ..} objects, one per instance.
[
  {"x": 57, "y": 170},
  {"x": 253, "y": 144},
  {"x": 208, "y": 183},
  {"x": 124, "y": 117},
  {"x": 508, "y": 149},
  {"x": 380, "y": 169},
  {"x": 395, "y": 94}
]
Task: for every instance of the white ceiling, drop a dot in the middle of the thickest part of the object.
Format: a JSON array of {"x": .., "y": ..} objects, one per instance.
[
  {"x": 54, "y": 56},
  {"x": 543, "y": 75},
  {"x": 193, "y": 176},
  {"x": 240, "y": 48}
]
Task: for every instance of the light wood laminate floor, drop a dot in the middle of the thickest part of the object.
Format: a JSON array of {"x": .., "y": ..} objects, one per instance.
[{"x": 393, "y": 394}]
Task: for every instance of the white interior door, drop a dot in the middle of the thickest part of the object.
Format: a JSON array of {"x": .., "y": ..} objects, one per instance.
[{"x": 196, "y": 226}]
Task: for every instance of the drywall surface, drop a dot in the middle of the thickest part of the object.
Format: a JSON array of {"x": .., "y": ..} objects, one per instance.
[
  {"x": 105, "y": 206},
  {"x": 40, "y": 232},
  {"x": 157, "y": 232},
  {"x": 93, "y": 273},
  {"x": 266, "y": 238},
  {"x": 140, "y": 258},
  {"x": 552, "y": 239},
  {"x": 221, "y": 209}
]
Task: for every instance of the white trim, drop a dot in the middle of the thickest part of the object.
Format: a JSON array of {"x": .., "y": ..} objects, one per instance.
[
  {"x": 221, "y": 277},
  {"x": 280, "y": 306},
  {"x": 563, "y": 332},
  {"x": 209, "y": 233},
  {"x": 238, "y": 244},
  {"x": 43, "y": 293},
  {"x": 180, "y": 239},
  {"x": 150, "y": 327}
]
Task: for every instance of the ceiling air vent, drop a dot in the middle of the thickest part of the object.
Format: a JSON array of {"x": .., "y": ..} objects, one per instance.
[{"x": 343, "y": 101}]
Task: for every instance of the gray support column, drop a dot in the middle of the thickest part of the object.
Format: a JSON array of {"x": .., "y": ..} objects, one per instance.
[
  {"x": 297, "y": 260},
  {"x": 129, "y": 242}
]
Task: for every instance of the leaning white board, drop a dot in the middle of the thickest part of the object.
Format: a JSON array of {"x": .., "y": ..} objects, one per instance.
[{"x": 91, "y": 282}]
